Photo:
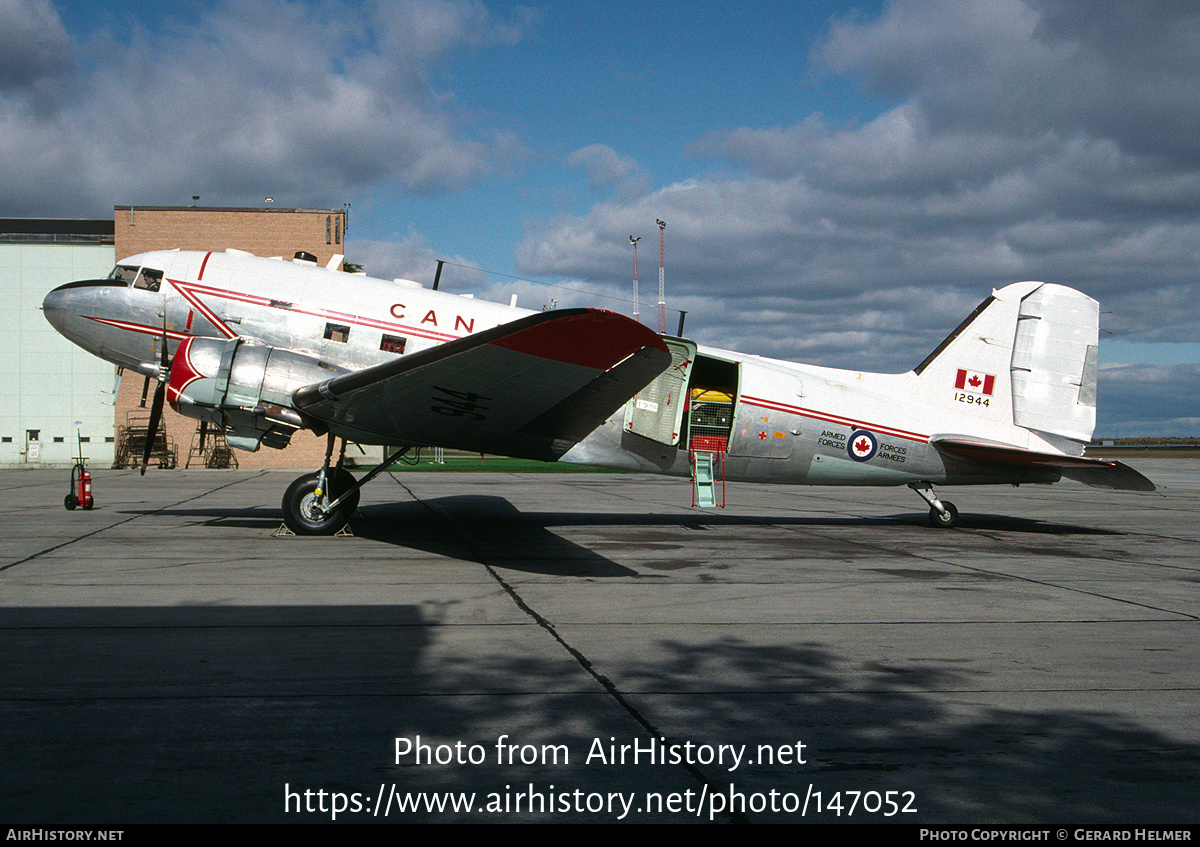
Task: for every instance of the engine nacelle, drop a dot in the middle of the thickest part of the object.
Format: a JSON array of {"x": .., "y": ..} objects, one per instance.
[{"x": 243, "y": 387}]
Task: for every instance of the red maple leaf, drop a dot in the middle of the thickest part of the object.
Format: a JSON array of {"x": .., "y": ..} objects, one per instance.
[
  {"x": 974, "y": 380},
  {"x": 862, "y": 445}
]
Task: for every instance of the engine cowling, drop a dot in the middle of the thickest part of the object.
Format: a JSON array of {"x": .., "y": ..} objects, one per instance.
[{"x": 243, "y": 387}]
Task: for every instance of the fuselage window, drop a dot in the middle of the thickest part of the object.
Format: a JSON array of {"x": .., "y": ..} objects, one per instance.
[
  {"x": 337, "y": 332},
  {"x": 393, "y": 343}
]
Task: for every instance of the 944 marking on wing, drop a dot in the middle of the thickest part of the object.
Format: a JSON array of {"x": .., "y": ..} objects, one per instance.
[{"x": 460, "y": 404}]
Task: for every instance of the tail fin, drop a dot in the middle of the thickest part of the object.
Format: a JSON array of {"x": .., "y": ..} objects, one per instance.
[{"x": 1030, "y": 348}]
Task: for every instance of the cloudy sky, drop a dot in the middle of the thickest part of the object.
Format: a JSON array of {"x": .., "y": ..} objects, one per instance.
[{"x": 842, "y": 182}]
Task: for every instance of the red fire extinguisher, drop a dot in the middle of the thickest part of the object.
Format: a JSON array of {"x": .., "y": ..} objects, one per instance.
[{"x": 81, "y": 486}]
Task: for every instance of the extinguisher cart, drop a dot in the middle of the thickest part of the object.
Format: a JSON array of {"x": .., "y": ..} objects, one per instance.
[{"x": 81, "y": 485}]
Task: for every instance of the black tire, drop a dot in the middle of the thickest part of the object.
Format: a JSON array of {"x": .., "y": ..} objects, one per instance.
[
  {"x": 944, "y": 521},
  {"x": 345, "y": 481},
  {"x": 299, "y": 514},
  {"x": 70, "y": 502}
]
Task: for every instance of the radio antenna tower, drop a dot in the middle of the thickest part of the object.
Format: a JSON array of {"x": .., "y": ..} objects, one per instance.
[
  {"x": 662, "y": 306},
  {"x": 634, "y": 242}
]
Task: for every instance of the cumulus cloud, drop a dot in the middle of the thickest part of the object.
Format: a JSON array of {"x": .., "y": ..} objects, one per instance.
[
  {"x": 603, "y": 165},
  {"x": 1019, "y": 139},
  {"x": 300, "y": 101}
]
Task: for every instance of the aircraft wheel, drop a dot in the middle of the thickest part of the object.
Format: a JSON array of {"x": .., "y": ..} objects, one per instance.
[
  {"x": 945, "y": 521},
  {"x": 300, "y": 511},
  {"x": 70, "y": 502}
]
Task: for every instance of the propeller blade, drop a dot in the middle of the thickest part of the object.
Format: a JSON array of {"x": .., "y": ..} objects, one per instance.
[
  {"x": 160, "y": 392},
  {"x": 155, "y": 417}
]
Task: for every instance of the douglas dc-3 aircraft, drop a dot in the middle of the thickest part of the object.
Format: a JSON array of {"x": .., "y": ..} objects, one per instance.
[{"x": 264, "y": 347}]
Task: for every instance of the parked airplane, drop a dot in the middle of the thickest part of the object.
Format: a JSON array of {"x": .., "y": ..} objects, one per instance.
[{"x": 265, "y": 347}]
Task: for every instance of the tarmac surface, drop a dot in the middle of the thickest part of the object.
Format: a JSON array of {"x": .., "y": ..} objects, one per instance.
[{"x": 499, "y": 639}]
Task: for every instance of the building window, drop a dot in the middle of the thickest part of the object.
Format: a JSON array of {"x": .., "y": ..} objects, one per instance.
[
  {"x": 393, "y": 343},
  {"x": 7, "y": 439},
  {"x": 85, "y": 439},
  {"x": 337, "y": 230},
  {"x": 337, "y": 332},
  {"x": 328, "y": 230},
  {"x": 58, "y": 439},
  {"x": 108, "y": 439}
]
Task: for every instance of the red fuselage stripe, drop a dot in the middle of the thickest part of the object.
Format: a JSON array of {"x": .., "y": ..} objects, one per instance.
[
  {"x": 191, "y": 292},
  {"x": 834, "y": 419}
]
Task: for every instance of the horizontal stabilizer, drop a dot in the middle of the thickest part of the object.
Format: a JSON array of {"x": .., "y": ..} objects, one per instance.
[{"x": 1100, "y": 473}]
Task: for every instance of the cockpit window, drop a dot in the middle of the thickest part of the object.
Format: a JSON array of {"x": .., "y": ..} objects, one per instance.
[
  {"x": 148, "y": 279},
  {"x": 123, "y": 273}
]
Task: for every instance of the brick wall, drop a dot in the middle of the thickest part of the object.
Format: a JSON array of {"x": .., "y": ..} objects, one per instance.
[{"x": 264, "y": 232}]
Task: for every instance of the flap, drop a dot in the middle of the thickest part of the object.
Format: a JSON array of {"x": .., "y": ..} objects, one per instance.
[{"x": 531, "y": 388}]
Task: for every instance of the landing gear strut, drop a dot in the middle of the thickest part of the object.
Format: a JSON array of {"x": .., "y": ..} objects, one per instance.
[
  {"x": 942, "y": 513},
  {"x": 321, "y": 503}
]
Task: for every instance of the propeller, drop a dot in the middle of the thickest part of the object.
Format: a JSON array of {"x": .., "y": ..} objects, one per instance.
[{"x": 162, "y": 371}]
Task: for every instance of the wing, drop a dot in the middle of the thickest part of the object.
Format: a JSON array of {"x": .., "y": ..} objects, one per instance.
[
  {"x": 531, "y": 388},
  {"x": 1100, "y": 473}
]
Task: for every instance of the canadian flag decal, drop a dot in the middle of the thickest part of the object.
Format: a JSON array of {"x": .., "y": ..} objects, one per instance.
[{"x": 977, "y": 382}]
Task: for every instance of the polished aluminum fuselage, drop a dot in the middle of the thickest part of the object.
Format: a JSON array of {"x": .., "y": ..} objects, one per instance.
[{"x": 790, "y": 423}]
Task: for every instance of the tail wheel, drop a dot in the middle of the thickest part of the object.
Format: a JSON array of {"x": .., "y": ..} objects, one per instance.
[
  {"x": 302, "y": 508},
  {"x": 944, "y": 520}
]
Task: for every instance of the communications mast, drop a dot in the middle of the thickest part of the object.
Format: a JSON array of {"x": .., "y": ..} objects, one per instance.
[
  {"x": 634, "y": 242},
  {"x": 662, "y": 306}
]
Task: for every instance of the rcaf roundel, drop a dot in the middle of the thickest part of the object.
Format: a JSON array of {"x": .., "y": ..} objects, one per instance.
[
  {"x": 862, "y": 446},
  {"x": 980, "y": 383}
]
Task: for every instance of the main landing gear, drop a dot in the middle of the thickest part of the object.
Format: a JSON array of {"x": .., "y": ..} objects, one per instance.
[
  {"x": 321, "y": 503},
  {"x": 942, "y": 513}
]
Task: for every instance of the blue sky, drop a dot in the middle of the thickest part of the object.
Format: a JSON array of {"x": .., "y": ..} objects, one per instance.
[{"x": 842, "y": 182}]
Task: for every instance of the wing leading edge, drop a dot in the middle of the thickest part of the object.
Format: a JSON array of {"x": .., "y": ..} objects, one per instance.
[
  {"x": 531, "y": 388},
  {"x": 1100, "y": 473}
]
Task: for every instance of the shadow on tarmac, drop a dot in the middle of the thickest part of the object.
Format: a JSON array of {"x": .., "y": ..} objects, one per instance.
[{"x": 125, "y": 715}]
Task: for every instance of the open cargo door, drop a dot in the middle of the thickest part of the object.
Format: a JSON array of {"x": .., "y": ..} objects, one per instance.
[{"x": 656, "y": 412}]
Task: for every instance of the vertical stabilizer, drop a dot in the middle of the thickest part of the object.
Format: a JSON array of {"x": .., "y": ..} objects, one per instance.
[{"x": 1026, "y": 356}]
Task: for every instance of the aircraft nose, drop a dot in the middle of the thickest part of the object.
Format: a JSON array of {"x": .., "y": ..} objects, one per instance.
[
  {"x": 60, "y": 304},
  {"x": 54, "y": 308}
]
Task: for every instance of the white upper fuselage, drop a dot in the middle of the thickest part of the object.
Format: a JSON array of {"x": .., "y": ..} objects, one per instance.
[
  {"x": 788, "y": 422},
  {"x": 290, "y": 304}
]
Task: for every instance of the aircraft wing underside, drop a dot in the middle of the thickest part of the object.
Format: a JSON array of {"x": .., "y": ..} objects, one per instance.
[
  {"x": 1100, "y": 473},
  {"x": 531, "y": 388}
]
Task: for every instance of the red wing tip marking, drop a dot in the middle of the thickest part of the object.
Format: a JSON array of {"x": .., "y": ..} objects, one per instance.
[{"x": 593, "y": 339}]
